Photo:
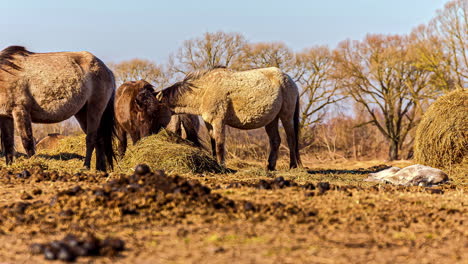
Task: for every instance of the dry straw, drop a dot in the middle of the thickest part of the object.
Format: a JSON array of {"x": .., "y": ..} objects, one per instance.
[
  {"x": 71, "y": 145},
  {"x": 163, "y": 151},
  {"x": 442, "y": 136},
  {"x": 167, "y": 151}
]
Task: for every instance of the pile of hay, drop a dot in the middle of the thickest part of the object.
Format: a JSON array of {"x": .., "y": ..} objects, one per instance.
[
  {"x": 442, "y": 136},
  {"x": 167, "y": 151}
]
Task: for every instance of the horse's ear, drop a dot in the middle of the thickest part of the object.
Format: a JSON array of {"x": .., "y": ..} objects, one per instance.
[{"x": 159, "y": 96}]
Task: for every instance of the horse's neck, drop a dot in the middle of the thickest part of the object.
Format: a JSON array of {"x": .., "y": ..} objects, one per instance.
[
  {"x": 185, "y": 110},
  {"x": 187, "y": 103}
]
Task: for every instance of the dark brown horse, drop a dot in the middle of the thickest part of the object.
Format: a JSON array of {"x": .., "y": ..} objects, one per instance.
[
  {"x": 138, "y": 114},
  {"x": 50, "y": 88}
]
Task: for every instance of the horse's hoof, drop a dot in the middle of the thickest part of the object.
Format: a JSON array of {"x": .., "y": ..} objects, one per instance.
[{"x": 9, "y": 160}]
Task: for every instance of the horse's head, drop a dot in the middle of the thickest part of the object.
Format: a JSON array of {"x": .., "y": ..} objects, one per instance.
[{"x": 152, "y": 115}]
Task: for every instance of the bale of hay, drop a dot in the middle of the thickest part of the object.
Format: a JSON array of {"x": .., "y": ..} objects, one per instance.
[
  {"x": 167, "y": 151},
  {"x": 49, "y": 142},
  {"x": 442, "y": 136}
]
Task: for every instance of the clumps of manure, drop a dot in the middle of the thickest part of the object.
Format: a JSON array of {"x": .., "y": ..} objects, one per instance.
[
  {"x": 442, "y": 136},
  {"x": 143, "y": 197},
  {"x": 71, "y": 247},
  {"x": 169, "y": 152}
]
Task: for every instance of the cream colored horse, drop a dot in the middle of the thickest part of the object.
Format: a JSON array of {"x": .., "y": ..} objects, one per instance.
[
  {"x": 245, "y": 100},
  {"x": 52, "y": 87}
]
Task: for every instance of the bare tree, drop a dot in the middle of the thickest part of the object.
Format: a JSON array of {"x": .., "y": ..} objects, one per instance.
[
  {"x": 380, "y": 73},
  {"x": 451, "y": 24},
  {"x": 430, "y": 55},
  {"x": 319, "y": 89},
  {"x": 263, "y": 54},
  {"x": 138, "y": 69},
  {"x": 212, "y": 49}
]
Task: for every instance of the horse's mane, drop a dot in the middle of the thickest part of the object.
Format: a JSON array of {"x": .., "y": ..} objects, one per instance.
[
  {"x": 186, "y": 84},
  {"x": 6, "y": 57}
]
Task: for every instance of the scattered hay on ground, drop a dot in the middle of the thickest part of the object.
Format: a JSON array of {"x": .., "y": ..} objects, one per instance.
[
  {"x": 70, "y": 145},
  {"x": 167, "y": 151},
  {"x": 67, "y": 155},
  {"x": 442, "y": 136}
]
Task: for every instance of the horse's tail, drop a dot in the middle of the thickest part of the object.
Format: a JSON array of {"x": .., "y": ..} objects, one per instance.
[
  {"x": 191, "y": 125},
  {"x": 107, "y": 131},
  {"x": 297, "y": 132}
]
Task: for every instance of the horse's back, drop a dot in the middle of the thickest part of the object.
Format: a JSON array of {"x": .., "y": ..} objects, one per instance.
[
  {"x": 56, "y": 85},
  {"x": 255, "y": 96},
  {"x": 67, "y": 64}
]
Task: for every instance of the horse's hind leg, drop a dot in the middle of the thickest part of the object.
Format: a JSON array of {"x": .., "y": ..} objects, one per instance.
[
  {"x": 288, "y": 124},
  {"x": 82, "y": 117},
  {"x": 7, "y": 138},
  {"x": 275, "y": 141},
  {"x": 22, "y": 120},
  {"x": 89, "y": 123}
]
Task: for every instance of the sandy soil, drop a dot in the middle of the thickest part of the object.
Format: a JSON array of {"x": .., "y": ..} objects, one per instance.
[{"x": 246, "y": 217}]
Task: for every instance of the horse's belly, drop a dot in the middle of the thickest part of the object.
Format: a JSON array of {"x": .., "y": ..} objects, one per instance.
[
  {"x": 54, "y": 115},
  {"x": 55, "y": 106},
  {"x": 57, "y": 90},
  {"x": 252, "y": 114}
]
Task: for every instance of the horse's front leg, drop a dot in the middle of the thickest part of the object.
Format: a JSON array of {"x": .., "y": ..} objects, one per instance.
[
  {"x": 212, "y": 139},
  {"x": 7, "y": 138},
  {"x": 219, "y": 134},
  {"x": 122, "y": 140},
  {"x": 22, "y": 120}
]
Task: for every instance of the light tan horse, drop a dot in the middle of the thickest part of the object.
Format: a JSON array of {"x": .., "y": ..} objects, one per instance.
[
  {"x": 245, "y": 100},
  {"x": 52, "y": 87}
]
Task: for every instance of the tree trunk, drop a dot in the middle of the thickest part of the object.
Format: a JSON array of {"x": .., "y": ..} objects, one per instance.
[{"x": 393, "y": 151}]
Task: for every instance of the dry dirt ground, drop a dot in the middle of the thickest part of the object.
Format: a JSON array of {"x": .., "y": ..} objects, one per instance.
[{"x": 245, "y": 217}]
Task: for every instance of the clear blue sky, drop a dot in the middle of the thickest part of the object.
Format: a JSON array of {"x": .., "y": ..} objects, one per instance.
[{"x": 120, "y": 30}]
